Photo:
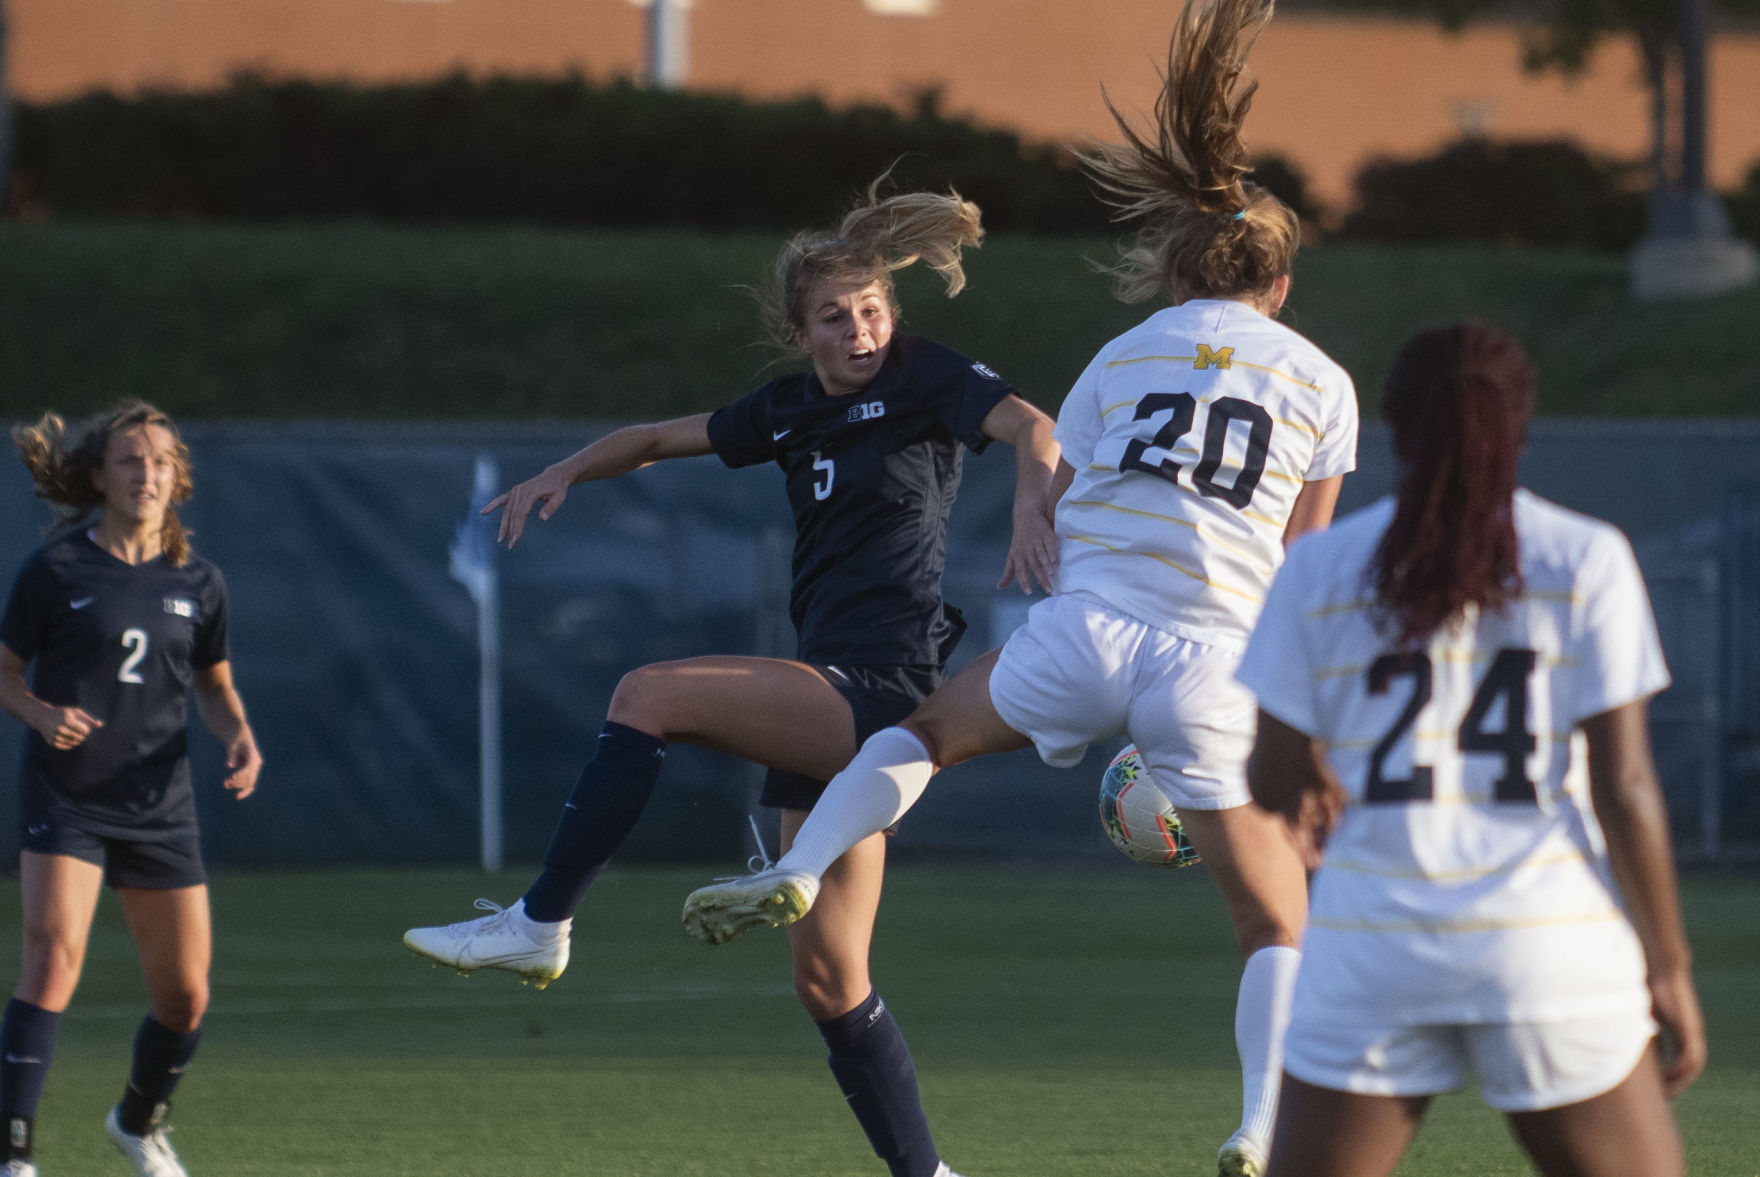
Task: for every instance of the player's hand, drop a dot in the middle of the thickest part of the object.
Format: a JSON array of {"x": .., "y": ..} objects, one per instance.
[
  {"x": 1313, "y": 825},
  {"x": 1032, "y": 553},
  {"x": 1675, "y": 1004},
  {"x": 67, "y": 727},
  {"x": 243, "y": 763},
  {"x": 548, "y": 488}
]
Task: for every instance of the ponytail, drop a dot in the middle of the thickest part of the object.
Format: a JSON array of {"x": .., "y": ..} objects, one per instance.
[
  {"x": 1458, "y": 399},
  {"x": 874, "y": 239},
  {"x": 1205, "y": 231}
]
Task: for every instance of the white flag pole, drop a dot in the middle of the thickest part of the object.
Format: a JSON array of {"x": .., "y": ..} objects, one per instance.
[{"x": 474, "y": 565}]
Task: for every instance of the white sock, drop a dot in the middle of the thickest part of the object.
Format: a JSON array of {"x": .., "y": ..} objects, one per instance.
[
  {"x": 536, "y": 930},
  {"x": 880, "y": 785},
  {"x": 1261, "y": 1015}
]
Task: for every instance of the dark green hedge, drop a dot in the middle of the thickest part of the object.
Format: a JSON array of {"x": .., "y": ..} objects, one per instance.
[
  {"x": 565, "y": 151},
  {"x": 1548, "y": 193}
]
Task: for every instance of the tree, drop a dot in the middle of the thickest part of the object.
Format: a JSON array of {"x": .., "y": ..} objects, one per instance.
[{"x": 1565, "y": 32}]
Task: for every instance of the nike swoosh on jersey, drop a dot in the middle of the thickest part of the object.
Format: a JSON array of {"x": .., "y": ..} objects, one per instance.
[
  {"x": 780, "y": 436},
  {"x": 81, "y": 603}
]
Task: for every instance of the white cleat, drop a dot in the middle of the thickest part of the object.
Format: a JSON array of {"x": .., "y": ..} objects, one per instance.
[
  {"x": 498, "y": 940},
  {"x": 1241, "y": 1156},
  {"x": 151, "y": 1155},
  {"x": 944, "y": 1171},
  {"x": 717, "y": 913},
  {"x": 19, "y": 1167}
]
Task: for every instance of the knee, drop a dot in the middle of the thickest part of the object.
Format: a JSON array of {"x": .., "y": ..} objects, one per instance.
[
  {"x": 932, "y": 733},
  {"x": 639, "y": 698},
  {"x": 50, "y": 969},
  {"x": 181, "y": 1009},
  {"x": 1266, "y": 929},
  {"x": 826, "y": 991}
]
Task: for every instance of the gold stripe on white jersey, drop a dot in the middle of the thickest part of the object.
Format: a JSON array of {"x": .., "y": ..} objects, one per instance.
[
  {"x": 1193, "y": 360},
  {"x": 1163, "y": 560},
  {"x": 1453, "y": 927},
  {"x": 1455, "y": 876}
]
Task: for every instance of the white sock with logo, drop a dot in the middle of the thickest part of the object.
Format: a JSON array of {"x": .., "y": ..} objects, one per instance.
[
  {"x": 1261, "y": 1015},
  {"x": 880, "y": 785}
]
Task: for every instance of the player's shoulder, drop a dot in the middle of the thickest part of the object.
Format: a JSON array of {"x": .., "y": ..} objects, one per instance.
[
  {"x": 59, "y": 555},
  {"x": 924, "y": 360},
  {"x": 1555, "y": 537}
]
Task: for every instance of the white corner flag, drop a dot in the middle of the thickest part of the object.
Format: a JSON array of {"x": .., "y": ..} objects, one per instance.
[{"x": 474, "y": 565}]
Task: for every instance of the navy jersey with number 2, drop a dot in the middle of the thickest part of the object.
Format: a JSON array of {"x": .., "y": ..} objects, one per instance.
[
  {"x": 121, "y": 642},
  {"x": 871, "y": 478}
]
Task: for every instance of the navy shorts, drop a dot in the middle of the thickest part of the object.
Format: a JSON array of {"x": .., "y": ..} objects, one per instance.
[
  {"x": 878, "y": 697},
  {"x": 162, "y": 859}
]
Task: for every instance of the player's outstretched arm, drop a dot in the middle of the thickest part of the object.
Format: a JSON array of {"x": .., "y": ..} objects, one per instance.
[
  {"x": 619, "y": 452},
  {"x": 1032, "y": 548},
  {"x": 1628, "y": 804},
  {"x": 61, "y": 727},
  {"x": 222, "y": 712}
]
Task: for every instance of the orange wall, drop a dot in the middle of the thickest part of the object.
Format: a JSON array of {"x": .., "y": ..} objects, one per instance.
[{"x": 1336, "y": 91}]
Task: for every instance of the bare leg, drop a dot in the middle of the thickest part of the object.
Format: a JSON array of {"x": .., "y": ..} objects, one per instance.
[
  {"x": 1327, "y": 1133},
  {"x": 956, "y": 723},
  {"x": 770, "y": 711},
  {"x": 59, "y": 896},
  {"x": 1250, "y": 854},
  {"x": 1626, "y": 1132},
  {"x": 173, "y": 931},
  {"x": 868, "y": 1054}
]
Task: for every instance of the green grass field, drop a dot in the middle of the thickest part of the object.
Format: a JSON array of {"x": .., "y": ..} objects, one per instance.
[
  {"x": 1064, "y": 1022},
  {"x": 373, "y": 321}
]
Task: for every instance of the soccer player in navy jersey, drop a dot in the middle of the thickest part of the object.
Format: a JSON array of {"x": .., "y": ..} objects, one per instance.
[
  {"x": 1194, "y": 448},
  {"x": 120, "y": 619},
  {"x": 870, "y": 439}
]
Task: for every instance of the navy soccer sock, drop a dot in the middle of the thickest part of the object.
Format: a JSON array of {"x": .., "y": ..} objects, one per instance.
[
  {"x": 27, "y": 1047},
  {"x": 613, "y": 789},
  {"x": 160, "y": 1055},
  {"x": 874, "y": 1069}
]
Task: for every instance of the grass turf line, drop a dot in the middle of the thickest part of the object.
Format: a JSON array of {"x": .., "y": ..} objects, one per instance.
[{"x": 1064, "y": 1021}]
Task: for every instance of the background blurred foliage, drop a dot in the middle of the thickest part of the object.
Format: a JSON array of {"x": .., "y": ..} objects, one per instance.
[
  {"x": 360, "y": 320},
  {"x": 565, "y": 151}
]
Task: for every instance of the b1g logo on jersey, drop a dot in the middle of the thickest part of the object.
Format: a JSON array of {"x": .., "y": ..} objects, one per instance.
[
  {"x": 981, "y": 370},
  {"x": 180, "y": 606},
  {"x": 866, "y": 412}
]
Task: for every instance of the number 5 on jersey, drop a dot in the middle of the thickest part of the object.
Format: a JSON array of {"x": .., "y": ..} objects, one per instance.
[{"x": 827, "y": 467}]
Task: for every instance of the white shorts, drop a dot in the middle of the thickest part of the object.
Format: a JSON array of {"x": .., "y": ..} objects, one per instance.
[
  {"x": 1078, "y": 672},
  {"x": 1521, "y": 1066}
]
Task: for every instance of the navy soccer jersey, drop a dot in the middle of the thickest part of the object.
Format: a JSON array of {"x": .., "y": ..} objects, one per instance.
[
  {"x": 121, "y": 642},
  {"x": 871, "y": 478}
]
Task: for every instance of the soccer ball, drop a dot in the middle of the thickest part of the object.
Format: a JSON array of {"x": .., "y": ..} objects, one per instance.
[{"x": 1138, "y": 817}]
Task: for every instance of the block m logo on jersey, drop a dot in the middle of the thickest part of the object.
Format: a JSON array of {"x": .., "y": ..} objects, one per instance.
[{"x": 1219, "y": 358}]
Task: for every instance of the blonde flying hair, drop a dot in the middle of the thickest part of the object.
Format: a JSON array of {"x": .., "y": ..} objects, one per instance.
[
  {"x": 61, "y": 460},
  {"x": 874, "y": 239},
  {"x": 1205, "y": 231}
]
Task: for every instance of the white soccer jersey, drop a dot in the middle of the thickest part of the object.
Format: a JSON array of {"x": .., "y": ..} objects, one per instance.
[
  {"x": 1191, "y": 436},
  {"x": 1467, "y": 881}
]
